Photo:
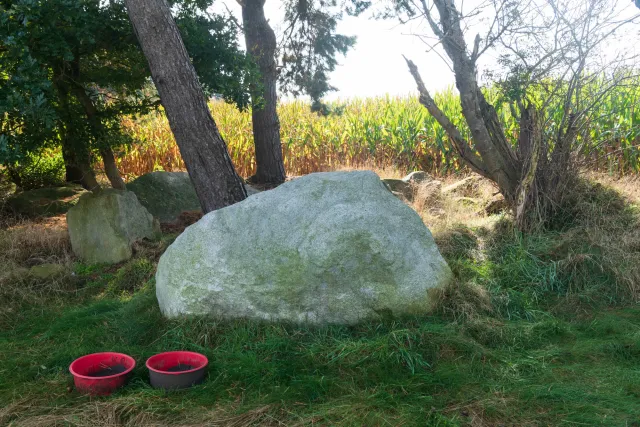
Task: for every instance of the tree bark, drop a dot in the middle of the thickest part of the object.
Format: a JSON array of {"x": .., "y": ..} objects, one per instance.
[
  {"x": 203, "y": 150},
  {"x": 77, "y": 165},
  {"x": 76, "y": 158},
  {"x": 501, "y": 162},
  {"x": 72, "y": 173},
  {"x": 108, "y": 159},
  {"x": 530, "y": 209},
  {"x": 261, "y": 46},
  {"x": 461, "y": 146},
  {"x": 111, "y": 168}
]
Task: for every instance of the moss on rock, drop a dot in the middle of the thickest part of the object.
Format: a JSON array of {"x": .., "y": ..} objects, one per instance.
[
  {"x": 325, "y": 248},
  {"x": 103, "y": 226}
]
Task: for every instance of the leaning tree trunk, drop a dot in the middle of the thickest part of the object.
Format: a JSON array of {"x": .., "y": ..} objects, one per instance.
[
  {"x": 108, "y": 159},
  {"x": 72, "y": 173},
  {"x": 203, "y": 150},
  {"x": 111, "y": 168},
  {"x": 261, "y": 45}
]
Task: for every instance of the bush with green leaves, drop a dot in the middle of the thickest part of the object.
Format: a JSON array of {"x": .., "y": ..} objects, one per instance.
[
  {"x": 70, "y": 69},
  {"x": 37, "y": 170}
]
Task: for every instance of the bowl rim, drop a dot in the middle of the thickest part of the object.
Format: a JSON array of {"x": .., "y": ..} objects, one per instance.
[
  {"x": 159, "y": 355},
  {"x": 112, "y": 353}
]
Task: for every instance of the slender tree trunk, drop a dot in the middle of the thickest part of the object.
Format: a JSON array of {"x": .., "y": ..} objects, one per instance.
[
  {"x": 201, "y": 145},
  {"x": 261, "y": 45},
  {"x": 108, "y": 159},
  {"x": 111, "y": 168},
  {"x": 487, "y": 133},
  {"x": 533, "y": 178},
  {"x": 76, "y": 157}
]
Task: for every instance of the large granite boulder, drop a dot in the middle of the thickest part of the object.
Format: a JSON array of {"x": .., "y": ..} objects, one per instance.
[
  {"x": 325, "y": 248},
  {"x": 103, "y": 226},
  {"x": 165, "y": 194}
]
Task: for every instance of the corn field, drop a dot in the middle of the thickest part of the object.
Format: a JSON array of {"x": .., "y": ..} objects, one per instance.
[{"x": 384, "y": 132}]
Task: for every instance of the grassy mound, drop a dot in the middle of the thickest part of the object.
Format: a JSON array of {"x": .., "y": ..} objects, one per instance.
[
  {"x": 49, "y": 201},
  {"x": 541, "y": 329}
]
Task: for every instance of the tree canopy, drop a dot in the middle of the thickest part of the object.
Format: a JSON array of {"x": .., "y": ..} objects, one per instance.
[
  {"x": 60, "y": 56},
  {"x": 310, "y": 45}
]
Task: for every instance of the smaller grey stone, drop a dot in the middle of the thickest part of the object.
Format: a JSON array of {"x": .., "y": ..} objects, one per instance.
[
  {"x": 103, "y": 226},
  {"x": 417, "y": 177},
  {"x": 251, "y": 190},
  {"x": 465, "y": 187},
  {"x": 401, "y": 197},
  {"x": 46, "y": 271},
  {"x": 399, "y": 186},
  {"x": 165, "y": 194},
  {"x": 496, "y": 205},
  {"x": 428, "y": 194}
]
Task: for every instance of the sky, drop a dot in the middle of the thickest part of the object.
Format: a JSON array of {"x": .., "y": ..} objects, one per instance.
[{"x": 375, "y": 66}]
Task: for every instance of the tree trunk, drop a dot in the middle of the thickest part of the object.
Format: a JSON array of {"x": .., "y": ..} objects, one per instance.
[
  {"x": 261, "y": 46},
  {"x": 532, "y": 182},
  {"x": 530, "y": 208},
  {"x": 72, "y": 173},
  {"x": 77, "y": 165},
  {"x": 203, "y": 150},
  {"x": 108, "y": 159},
  {"x": 76, "y": 158},
  {"x": 487, "y": 133},
  {"x": 111, "y": 168}
]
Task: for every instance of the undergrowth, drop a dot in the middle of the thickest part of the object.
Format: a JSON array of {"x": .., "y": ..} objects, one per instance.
[{"x": 539, "y": 329}]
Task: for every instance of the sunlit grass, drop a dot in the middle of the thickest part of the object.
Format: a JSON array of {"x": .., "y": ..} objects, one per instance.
[{"x": 539, "y": 329}]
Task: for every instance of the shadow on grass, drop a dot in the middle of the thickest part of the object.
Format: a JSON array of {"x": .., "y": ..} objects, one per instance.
[
  {"x": 518, "y": 356},
  {"x": 588, "y": 262}
]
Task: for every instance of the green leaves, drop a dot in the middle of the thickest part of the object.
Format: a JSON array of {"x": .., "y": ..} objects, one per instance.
[
  {"x": 310, "y": 46},
  {"x": 50, "y": 50}
]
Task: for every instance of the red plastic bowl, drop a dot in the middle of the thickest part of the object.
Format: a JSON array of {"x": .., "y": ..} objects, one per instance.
[
  {"x": 101, "y": 373},
  {"x": 177, "y": 369}
]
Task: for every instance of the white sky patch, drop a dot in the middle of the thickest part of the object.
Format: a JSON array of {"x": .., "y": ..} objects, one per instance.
[{"x": 375, "y": 67}]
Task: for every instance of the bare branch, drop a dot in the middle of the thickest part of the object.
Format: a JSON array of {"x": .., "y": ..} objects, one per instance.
[{"x": 465, "y": 152}]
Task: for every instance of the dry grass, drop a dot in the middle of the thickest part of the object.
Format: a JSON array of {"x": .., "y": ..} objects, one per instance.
[
  {"x": 29, "y": 243},
  {"x": 627, "y": 185},
  {"x": 461, "y": 300},
  {"x": 127, "y": 412},
  {"x": 451, "y": 209},
  {"x": 611, "y": 230}
]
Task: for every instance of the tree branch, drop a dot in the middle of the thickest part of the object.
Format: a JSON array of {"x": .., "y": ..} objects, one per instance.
[{"x": 466, "y": 153}]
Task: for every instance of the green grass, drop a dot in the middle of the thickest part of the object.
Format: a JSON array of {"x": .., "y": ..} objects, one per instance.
[
  {"x": 548, "y": 371},
  {"x": 521, "y": 338}
]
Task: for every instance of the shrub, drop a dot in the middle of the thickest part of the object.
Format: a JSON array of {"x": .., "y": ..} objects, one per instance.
[{"x": 37, "y": 170}]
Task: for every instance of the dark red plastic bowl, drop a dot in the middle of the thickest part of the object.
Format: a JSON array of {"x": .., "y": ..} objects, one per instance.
[
  {"x": 101, "y": 373},
  {"x": 177, "y": 369}
]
